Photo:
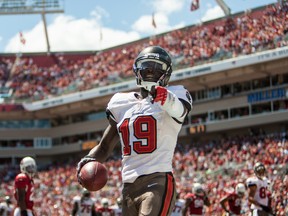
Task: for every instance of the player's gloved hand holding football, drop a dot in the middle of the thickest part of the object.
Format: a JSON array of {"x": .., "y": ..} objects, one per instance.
[{"x": 82, "y": 162}]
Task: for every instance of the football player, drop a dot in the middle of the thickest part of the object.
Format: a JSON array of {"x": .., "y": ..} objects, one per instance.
[
  {"x": 24, "y": 187},
  {"x": 84, "y": 205},
  {"x": 195, "y": 202},
  {"x": 105, "y": 210},
  {"x": 258, "y": 192},
  {"x": 234, "y": 200},
  {"x": 147, "y": 124}
]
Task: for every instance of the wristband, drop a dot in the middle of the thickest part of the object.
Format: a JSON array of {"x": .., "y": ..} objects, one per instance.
[{"x": 174, "y": 106}]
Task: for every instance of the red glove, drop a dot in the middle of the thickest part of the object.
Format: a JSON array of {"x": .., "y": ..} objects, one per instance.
[{"x": 160, "y": 94}]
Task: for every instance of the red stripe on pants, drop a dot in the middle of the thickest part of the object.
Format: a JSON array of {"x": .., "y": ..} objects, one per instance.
[{"x": 169, "y": 194}]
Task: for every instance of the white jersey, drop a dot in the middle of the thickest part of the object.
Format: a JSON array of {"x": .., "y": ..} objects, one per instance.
[
  {"x": 148, "y": 133},
  {"x": 261, "y": 191},
  {"x": 179, "y": 205},
  {"x": 117, "y": 210},
  {"x": 84, "y": 206},
  {"x": 5, "y": 208}
]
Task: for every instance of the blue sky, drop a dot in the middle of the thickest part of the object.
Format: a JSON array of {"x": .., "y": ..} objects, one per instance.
[{"x": 79, "y": 27}]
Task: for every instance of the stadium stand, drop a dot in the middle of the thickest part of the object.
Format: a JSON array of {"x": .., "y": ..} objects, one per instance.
[
  {"x": 40, "y": 76},
  {"x": 239, "y": 84}
]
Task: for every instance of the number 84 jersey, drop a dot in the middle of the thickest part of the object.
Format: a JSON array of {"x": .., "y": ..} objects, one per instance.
[
  {"x": 148, "y": 134},
  {"x": 261, "y": 195}
]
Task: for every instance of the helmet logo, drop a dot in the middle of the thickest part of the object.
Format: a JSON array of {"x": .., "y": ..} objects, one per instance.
[{"x": 152, "y": 55}]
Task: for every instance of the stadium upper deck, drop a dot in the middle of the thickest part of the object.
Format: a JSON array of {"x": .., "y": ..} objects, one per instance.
[
  {"x": 246, "y": 91},
  {"x": 42, "y": 76}
]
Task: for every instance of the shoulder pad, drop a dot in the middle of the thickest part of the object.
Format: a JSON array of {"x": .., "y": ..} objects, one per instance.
[
  {"x": 21, "y": 177},
  {"x": 182, "y": 93}
]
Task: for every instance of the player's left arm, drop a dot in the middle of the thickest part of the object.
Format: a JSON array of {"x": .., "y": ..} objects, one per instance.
[{"x": 169, "y": 101}]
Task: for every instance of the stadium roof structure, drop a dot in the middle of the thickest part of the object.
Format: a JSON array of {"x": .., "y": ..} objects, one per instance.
[{"x": 16, "y": 7}]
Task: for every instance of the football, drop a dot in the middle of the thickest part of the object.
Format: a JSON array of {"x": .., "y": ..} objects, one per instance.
[{"x": 93, "y": 176}]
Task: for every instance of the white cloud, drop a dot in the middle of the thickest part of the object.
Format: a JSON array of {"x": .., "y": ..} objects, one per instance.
[
  {"x": 212, "y": 13},
  {"x": 167, "y": 6},
  {"x": 144, "y": 24},
  {"x": 68, "y": 34}
]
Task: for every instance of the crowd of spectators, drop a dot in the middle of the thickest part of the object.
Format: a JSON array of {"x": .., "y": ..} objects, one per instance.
[
  {"x": 218, "y": 165},
  {"x": 242, "y": 34}
]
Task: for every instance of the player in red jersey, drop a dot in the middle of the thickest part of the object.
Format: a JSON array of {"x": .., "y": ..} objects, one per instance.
[
  {"x": 234, "y": 200},
  {"x": 24, "y": 186},
  {"x": 195, "y": 202},
  {"x": 105, "y": 210}
]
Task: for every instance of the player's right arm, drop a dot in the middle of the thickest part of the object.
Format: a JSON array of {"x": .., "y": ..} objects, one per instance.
[
  {"x": 21, "y": 200},
  {"x": 106, "y": 145},
  {"x": 223, "y": 203},
  {"x": 252, "y": 189}
]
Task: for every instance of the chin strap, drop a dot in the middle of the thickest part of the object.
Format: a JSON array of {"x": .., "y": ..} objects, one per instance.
[{"x": 168, "y": 101}]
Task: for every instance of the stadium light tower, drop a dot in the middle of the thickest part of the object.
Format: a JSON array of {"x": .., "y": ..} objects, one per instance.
[
  {"x": 224, "y": 7},
  {"x": 43, "y": 7}
]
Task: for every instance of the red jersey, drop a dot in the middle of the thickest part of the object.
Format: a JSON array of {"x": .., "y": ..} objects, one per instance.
[
  {"x": 196, "y": 205},
  {"x": 24, "y": 181},
  {"x": 105, "y": 211},
  {"x": 234, "y": 202}
]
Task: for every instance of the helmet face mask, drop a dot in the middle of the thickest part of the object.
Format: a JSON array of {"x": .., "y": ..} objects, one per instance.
[
  {"x": 153, "y": 66},
  {"x": 259, "y": 170},
  {"x": 28, "y": 166}
]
